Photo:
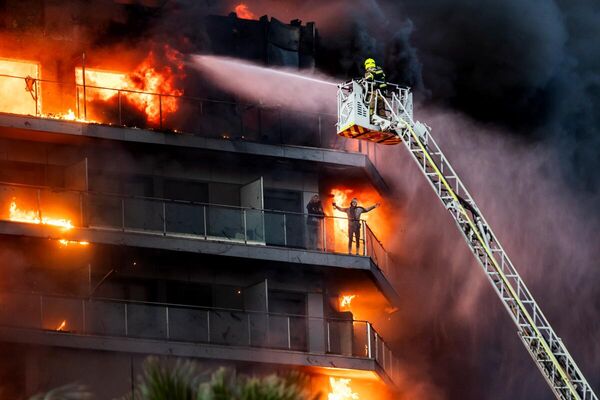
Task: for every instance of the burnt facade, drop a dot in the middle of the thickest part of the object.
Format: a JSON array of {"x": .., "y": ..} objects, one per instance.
[{"x": 122, "y": 241}]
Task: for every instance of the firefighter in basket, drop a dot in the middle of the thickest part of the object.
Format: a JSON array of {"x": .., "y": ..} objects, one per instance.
[{"x": 376, "y": 86}]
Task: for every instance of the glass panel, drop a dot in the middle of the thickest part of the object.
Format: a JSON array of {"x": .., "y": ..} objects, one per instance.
[
  {"x": 60, "y": 208},
  {"x": 259, "y": 329},
  {"x": 229, "y": 327},
  {"x": 62, "y": 314},
  {"x": 188, "y": 324},
  {"x": 274, "y": 229},
  {"x": 225, "y": 223},
  {"x": 255, "y": 226},
  {"x": 340, "y": 337},
  {"x": 143, "y": 214},
  {"x": 104, "y": 211},
  {"x": 185, "y": 218},
  {"x": 105, "y": 318},
  {"x": 360, "y": 345},
  {"x": 295, "y": 230},
  {"x": 298, "y": 333},
  {"x": 278, "y": 331},
  {"x": 146, "y": 321},
  {"x": 19, "y": 204},
  {"x": 20, "y": 310}
]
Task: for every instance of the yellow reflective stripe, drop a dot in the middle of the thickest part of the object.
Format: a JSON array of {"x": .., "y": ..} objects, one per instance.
[{"x": 498, "y": 269}]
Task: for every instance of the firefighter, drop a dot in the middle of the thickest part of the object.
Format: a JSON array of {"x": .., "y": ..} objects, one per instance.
[
  {"x": 375, "y": 78},
  {"x": 354, "y": 212},
  {"x": 314, "y": 222}
]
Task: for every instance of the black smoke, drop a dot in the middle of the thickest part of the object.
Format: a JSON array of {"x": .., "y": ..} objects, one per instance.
[{"x": 512, "y": 88}]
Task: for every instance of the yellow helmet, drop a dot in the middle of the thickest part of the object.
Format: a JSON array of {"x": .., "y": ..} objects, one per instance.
[{"x": 369, "y": 63}]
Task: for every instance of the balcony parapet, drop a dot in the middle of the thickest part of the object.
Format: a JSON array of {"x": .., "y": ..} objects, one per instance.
[
  {"x": 188, "y": 220},
  {"x": 174, "y": 323}
]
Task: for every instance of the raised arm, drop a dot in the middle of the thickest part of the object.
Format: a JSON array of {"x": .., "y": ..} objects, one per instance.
[
  {"x": 374, "y": 206},
  {"x": 342, "y": 209}
]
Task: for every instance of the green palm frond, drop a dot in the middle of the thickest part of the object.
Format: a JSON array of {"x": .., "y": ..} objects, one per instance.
[
  {"x": 181, "y": 381},
  {"x": 162, "y": 382}
]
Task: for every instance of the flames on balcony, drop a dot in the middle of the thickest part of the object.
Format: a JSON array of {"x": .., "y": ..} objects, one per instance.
[
  {"x": 34, "y": 216},
  {"x": 66, "y": 243},
  {"x": 61, "y": 326},
  {"x": 346, "y": 301},
  {"x": 24, "y": 93},
  {"x": 378, "y": 220},
  {"x": 150, "y": 89}
]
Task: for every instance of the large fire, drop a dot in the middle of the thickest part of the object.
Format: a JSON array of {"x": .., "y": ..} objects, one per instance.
[
  {"x": 341, "y": 390},
  {"x": 244, "y": 12},
  {"x": 375, "y": 219},
  {"x": 34, "y": 217},
  {"x": 150, "y": 89},
  {"x": 19, "y": 95}
]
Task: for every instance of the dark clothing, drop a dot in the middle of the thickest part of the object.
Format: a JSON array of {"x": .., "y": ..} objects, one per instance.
[
  {"x": 354, "y": 233},
  {"x": 375, "y": 98},
  {"x": 315, "y": 212},
  {"x": 354, "y": 214},
  {"x": 376, "y": 74},
  {"x": 314, "y": 224}
]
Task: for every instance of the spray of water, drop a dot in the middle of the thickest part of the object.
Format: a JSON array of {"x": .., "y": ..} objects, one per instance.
[{"x": 303, "y": 91}]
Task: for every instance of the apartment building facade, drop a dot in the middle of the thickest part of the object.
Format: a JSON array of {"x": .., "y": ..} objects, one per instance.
[{"x": 182, "y": 237}]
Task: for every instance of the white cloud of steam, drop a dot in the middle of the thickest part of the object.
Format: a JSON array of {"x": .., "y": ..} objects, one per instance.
[{"x": 272, "y": 87}]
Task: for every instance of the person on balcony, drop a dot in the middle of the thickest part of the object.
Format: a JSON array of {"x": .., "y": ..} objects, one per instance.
[
  {"x": 314, "y": 223},
  {"x": 376, "y": 86},
  {"x": 354, "y": 212}
]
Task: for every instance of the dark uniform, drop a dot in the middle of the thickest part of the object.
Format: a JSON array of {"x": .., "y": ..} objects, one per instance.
[
  {"x": 376, "y": 77},
  {"x": 314, "y": 222}
]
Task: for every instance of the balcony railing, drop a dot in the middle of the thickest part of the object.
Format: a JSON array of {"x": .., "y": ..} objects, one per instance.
[
  {"x": 199, "y": 116},
  {"x": 192, "y": 220},
  {"x": 179, "y": 323}
]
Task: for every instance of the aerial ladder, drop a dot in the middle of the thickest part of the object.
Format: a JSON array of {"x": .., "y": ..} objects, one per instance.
[{"x": 385, "y": 116}]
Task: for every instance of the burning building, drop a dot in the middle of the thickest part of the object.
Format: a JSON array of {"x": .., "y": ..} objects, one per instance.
[{"x": 143, "y": 213}]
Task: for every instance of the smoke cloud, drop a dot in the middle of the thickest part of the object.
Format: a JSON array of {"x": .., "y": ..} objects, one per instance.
[
  {"x": 511, "y": 89},
  {"x": 546, "y": 232}
]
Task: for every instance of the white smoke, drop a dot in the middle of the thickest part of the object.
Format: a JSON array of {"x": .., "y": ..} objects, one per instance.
[{"x": 271, "y": 87}]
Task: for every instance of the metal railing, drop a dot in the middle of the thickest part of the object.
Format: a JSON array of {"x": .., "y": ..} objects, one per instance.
[
  {"x": 181, "y": 323},
  {"x": 199, "y": 116},
  {"x": 194, "y": 220}
]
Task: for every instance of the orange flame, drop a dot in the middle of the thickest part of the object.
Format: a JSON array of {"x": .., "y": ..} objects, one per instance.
[
  {"x": 34, "y": 217},
  {"x": 65, "y": 243},
  {"x": 345, "y": 301},
  {"x": 366, "y": 197},
  {"x": 145, "y": 78},
  {"x": 244, "y": 12},
  {"x": 62, "y": 325},
  {"x": 24, "y": 92},
  {"x": 340, "y": 389}
]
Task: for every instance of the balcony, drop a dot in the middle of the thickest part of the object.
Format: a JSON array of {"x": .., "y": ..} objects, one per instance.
[
  {"x": 190, "y": 226},
  {"x": 202, "y": 117},
  {"x": 70, "y": 321}
]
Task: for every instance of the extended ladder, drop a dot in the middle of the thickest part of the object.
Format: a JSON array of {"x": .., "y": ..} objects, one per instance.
[{"x": 544, "y": 346}]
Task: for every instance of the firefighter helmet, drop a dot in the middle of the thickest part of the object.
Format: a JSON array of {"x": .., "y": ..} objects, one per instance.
[{"x": 369, "y": 63}]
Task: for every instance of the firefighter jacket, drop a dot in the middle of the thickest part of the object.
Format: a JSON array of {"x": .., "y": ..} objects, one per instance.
[{"x": 376, "y": 74}]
